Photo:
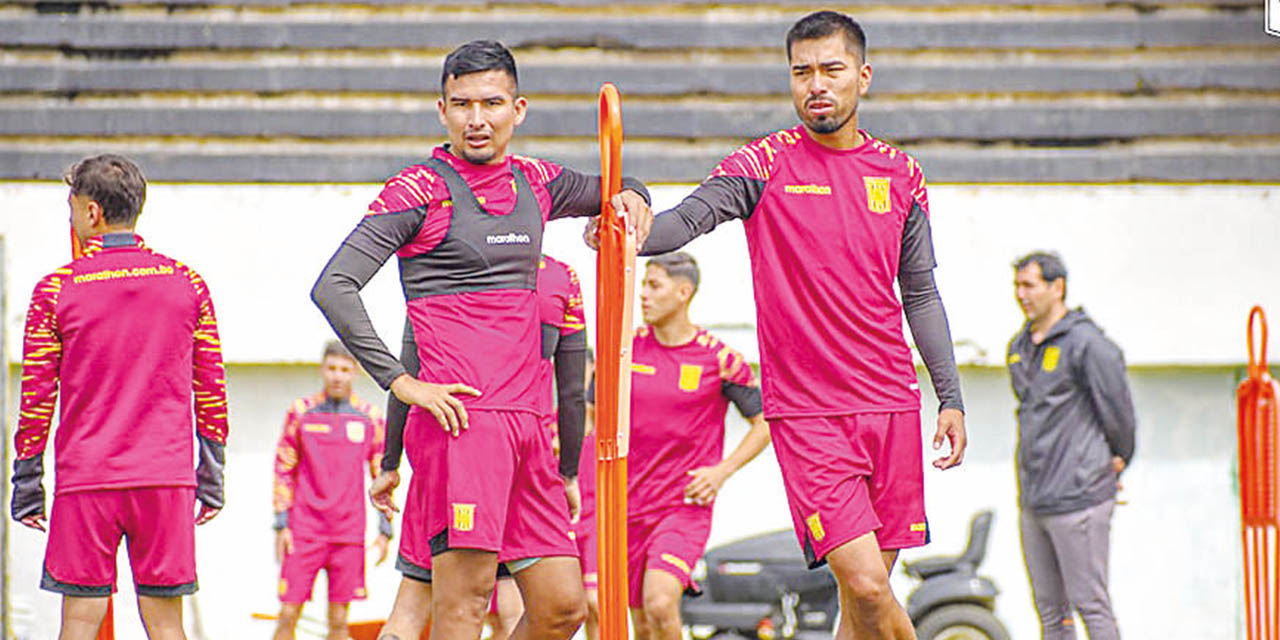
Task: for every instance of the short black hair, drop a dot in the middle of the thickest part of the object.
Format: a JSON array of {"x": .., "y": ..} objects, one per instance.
[
  {"x": 678, "y": 264},
  {"x": 821, "y": 24},
  {"x": 477, "y": 56},
  {"x": 333, "y": 348},
  {"x": 114, "y": 182},
  {"x": 1051, "y": 267}
]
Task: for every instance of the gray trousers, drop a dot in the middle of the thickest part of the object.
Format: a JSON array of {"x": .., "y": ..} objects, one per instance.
[{"x": 1066, "y": 556}]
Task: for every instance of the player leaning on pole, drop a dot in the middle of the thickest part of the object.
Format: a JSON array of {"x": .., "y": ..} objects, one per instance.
[
  {"x": 466, "y": 225},
  {"x": 129, "y": 339},
  {"x": 682, "y": 382},
  {"x": 833, "y": 217},
  {"x": 318, "y": 495},
  {"x": 564, "y": 355}
]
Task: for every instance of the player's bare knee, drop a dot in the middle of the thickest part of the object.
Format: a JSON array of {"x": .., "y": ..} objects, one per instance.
[
  {"x": 289, "y": 614},
  {"x": 662, "y": 610},
  {"x": 868, "y": 593}
]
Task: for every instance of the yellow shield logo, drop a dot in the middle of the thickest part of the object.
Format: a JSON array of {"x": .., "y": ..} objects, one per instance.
[
  {"x": 877, "y": 194},
  {"x": 690, "y": 374},
  {"x": 1051, "y": 355},
  {"x": 464, "y": 516},
  {"x": 355, "y": 431},
  {"x": 815, "y": 527}
]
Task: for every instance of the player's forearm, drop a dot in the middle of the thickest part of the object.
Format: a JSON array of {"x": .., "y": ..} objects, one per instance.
[
  {"x": 397, "y": 409},
  {"x": 28, "y": 487},
  {"x": 752, "y": 444},
  {"x": 570, "y": 370},
  {"x": 928, "y": 321},
  {"x": 210, "y": 487},
  {"x": 337, "y": 294},
  {"x": 715, "y": 201}
]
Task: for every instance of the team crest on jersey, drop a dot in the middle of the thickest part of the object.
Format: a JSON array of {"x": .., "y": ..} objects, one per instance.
[
  {"x": 355, "y": 431},
  {"x": 1051, "y": 355},
  {"x": 690, "y": 374},
  {"x": 877, "y": 194},
  {"x": 464, "y": 516}
]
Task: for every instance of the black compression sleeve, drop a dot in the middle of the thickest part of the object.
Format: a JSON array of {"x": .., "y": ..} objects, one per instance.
[
  {"x": 717, "y": 200},
  {"x": 575, "y": 194},
  {"x": 337, "y": 290},
  {"x": 928, "y": 321},
  {"x": 571, "y": 368},
  {"x": 397, "y": 410},
  {"x": 746, "y": 399}
]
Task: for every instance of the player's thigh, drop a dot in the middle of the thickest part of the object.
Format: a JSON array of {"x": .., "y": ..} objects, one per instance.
[
  {"x": 893, "y": 443},
  {"x": 84, "y": 533},
  {"x": 538, "y": 514},
  {"x": 299, "y": 568},
  {"x": 552, "y": 585},
  {"x": 345, "y": 567},
  {"x": 825, "y": 472},
  {"x": 160, "y": 526}
]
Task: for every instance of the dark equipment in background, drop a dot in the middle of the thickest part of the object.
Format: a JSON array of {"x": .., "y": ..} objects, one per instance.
[{"x": 761, "y": 588}]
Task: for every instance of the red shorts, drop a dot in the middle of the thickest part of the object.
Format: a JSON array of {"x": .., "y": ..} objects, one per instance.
[
  {"x": 342, "y": 563},
  {"x": 85, "y": 529},
  {"x": 849, "y": 475},
  {"x": 495, "y": 487},
  {"x": 671, "y": 540}
]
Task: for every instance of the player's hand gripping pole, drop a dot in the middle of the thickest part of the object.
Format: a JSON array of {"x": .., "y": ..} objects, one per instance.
[
  {"x": 107, "y": 630},
  {"x": 615, "y": 287},
  {"x": 1259, "y": 484}
]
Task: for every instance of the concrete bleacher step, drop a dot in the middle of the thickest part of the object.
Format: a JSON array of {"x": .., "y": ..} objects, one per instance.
[
  {"x": 79, "y": 76},
  {"x": 1060, "y": 120},
  {"x": 198, "y": 161},
  {"x": 157, "y": 34}
]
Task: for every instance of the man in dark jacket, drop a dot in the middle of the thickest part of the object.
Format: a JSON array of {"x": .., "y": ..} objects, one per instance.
[{"x": 1075, "y": 436}]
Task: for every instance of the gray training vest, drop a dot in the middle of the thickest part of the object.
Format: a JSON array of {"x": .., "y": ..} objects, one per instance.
[{"x": 480, "y": 251}]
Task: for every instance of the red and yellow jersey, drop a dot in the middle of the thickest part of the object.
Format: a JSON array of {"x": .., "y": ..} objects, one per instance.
[
  {"x": 679, "y": 396},
  {"x": 128, "y": 337},
  {"x": 326, "y": 448}
]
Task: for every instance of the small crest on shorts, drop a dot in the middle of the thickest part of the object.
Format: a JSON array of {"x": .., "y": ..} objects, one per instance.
[
  {"x": 917, "y": 527},
  {"x": 676, "y": 562},
  {"x": 355, "y": 431},
  {"x": 1051, "y": 355},
  {"x": 690, "y": 374},
  {"x": 815, "y": 527},
  {"x": 464, "y": 516},
  {"x": 877, "y": 194},
  {"x": 283, "y": 587}
]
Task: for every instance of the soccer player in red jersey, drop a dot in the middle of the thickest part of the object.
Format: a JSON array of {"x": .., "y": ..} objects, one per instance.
[
  {"x": 682, "y": 381},
  {"x": 130, "y": 339},
  {"x": 318, "y": 496},
  {"x": 466, "y": 225},
  {"x": 833, "y": 216},
  {"x": 564, "y": 356}
]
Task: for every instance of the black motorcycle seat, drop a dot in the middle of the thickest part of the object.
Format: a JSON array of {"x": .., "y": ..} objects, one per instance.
[{"x": 974, "y": 552}]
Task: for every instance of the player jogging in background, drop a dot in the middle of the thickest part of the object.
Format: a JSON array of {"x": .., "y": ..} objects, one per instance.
[
  {"x": 318, "y": 497},
  {"x": 564, "y": 357},
  {"x": 129, "y": 338},
  {"x": 467, "y": 226},
  {"x": 833, "y": 217},
  {"x": 584, "y": 530},
  {"x": 682, "y": 381}
]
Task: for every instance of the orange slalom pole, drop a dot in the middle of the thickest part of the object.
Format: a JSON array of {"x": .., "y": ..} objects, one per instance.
[
  {"x": 106, "y": 631},
  {"x": 615, "y": 288},
  {"x": 1258, "y": 432}
]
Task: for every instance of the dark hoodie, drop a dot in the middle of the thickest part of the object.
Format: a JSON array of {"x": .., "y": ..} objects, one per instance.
[{"x": 1074, "y": 414}]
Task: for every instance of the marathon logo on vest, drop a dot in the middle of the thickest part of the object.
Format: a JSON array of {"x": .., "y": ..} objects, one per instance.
[
  {"x": 877, "y": 194},
  {"x": 808, "y": 189},
  {"x": 510, "y": 238}
]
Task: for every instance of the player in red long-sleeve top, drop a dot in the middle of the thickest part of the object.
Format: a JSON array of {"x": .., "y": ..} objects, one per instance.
[
  {"x": 129, "y": 339},
  {"x": 331, "y": 440}
]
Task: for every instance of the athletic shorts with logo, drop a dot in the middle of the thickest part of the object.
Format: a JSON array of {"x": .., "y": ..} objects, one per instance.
[
  {"x": 343, "y": 564},
  {"x": 494, "y": 487},
  {"x": 670, "y": 540},
  {"x": 85, "y": 528},
  {"x": 850, "y": 475}
]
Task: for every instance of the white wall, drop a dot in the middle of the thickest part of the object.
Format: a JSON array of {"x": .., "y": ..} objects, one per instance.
[{"x": 1169, "y": 271}]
